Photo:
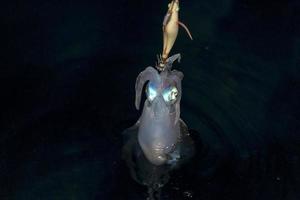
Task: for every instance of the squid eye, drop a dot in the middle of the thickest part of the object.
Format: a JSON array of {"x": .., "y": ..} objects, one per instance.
[
  {"x": 151, "y": 92},
  {"x": 170, "y": 94}
]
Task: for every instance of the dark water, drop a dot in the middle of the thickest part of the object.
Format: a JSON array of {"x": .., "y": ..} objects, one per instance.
[{"x": 67, "y": 92}]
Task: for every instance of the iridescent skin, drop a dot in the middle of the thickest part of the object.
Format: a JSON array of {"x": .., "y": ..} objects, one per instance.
[{"x": 159, "y": 129}]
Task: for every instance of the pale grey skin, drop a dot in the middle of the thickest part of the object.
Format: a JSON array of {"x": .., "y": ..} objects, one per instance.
[{"x": 159, "y": 124}]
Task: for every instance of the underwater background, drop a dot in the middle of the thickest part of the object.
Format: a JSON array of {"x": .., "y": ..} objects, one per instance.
[{"x": 68, "y": 70}]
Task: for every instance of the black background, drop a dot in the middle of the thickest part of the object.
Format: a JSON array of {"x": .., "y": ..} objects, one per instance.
[{"x": 67, "y": 75}]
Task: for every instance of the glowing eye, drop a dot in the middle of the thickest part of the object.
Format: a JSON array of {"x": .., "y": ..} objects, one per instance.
[
  {"x": 151, "y": 92},
  {"x": 170, "y": 94}
]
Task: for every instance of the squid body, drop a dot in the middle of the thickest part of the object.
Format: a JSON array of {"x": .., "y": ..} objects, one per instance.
[{"x": 159, "y": 124}]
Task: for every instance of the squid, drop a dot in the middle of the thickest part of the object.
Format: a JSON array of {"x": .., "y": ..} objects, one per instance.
[
  {"x": 159, "y": 141},
  {"x": 159, "y": 125}
]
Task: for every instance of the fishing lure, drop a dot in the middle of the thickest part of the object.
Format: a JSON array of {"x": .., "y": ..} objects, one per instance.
[{"x": 170, "y": 28}]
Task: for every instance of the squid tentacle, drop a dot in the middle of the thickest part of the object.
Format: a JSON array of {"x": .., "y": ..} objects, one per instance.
[{"x": 149, "y": 74}]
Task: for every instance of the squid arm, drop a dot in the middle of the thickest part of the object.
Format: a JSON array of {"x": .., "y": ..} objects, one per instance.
[{"x": 149, "y": 74}]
